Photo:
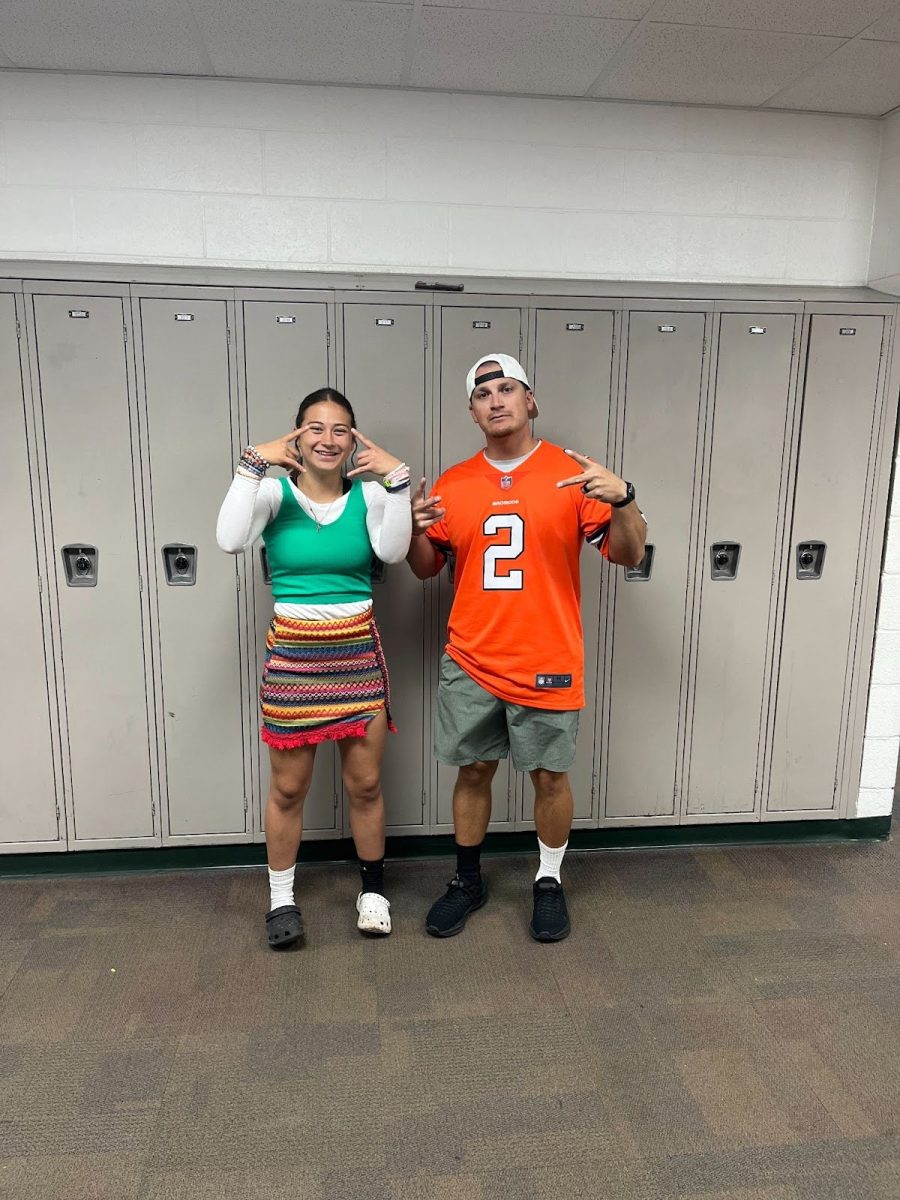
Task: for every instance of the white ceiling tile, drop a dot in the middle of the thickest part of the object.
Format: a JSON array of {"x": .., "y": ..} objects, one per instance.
[
  {"x": 498, "y": 52},
  {"x": 354, "y": 42},
  {"x": 690, "y": 64},
  {"x": 102, "y": 35},
  {"x": 835, "y": 17},
  {"x": 616, "y": 10},
  {"x": 861, "y": 77},
  {"x": 888, "y": 29}
]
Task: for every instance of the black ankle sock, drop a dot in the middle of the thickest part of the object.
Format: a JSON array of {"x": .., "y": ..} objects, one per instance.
[
  {"x": 468, "y": 860},
  {"x": 372, "y": 875}
]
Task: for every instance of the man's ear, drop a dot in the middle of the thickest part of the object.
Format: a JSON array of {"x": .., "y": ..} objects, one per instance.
[{"x": 532, "y": 403}]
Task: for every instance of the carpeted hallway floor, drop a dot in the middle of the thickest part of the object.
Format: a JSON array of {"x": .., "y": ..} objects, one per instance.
[{"x": 722, "y": 1024}]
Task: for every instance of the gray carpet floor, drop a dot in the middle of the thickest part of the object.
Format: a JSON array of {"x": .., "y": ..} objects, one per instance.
[{"x": 722, "y": 1024}]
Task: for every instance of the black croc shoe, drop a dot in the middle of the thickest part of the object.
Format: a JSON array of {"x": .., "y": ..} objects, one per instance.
[
  {"x": 284, "y": 926},
  {"x": 448, "y": 915},
  {"x": 550, "y": 922}
]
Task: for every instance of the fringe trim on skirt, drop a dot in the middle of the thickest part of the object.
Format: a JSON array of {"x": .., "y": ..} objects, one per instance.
[{"x": 322, "y": 680}]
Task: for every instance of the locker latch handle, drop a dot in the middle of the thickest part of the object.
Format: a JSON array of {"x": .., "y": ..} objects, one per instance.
[
  {"x": 810, "y": 560},
  {"x": 723, "y": 560},
  {"x": 180, "y": 564},
  {"x": 643, "y": 569},
  {"x": 264, "y": 566},
  {"x": 377, "y": 569},
  {"x": 81, "y": 565}
]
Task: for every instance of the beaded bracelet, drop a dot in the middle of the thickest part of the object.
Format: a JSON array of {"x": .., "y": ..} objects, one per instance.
[
  {"x": 254, "y": 462},
  {"x": 396, "y": 479}
]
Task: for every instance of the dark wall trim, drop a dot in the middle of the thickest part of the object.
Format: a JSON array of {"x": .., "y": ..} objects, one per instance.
[{"x": 189, "y": 858}]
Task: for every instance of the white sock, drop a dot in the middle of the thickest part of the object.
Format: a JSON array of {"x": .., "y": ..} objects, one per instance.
[
  {"x": 551, "y": 861},
  {"x": 281, "y": 887}
]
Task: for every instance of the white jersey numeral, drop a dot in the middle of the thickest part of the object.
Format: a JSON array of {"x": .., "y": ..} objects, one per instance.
[{"x": 511, "y": 581}]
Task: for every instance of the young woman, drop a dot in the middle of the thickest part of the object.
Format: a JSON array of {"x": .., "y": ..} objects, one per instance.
[{"x": 324, "y": 677}]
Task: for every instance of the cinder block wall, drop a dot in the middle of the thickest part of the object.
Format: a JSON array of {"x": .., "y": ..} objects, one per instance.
[{"x": 217, "y": 172}]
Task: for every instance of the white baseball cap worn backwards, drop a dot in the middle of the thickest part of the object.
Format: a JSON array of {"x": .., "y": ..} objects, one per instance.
[{"x": 510, "y": 368}]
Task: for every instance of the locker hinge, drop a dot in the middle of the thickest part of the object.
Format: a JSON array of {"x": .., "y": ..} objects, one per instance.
[
  {"x": 245, "y": 806},
  {"x": 58, "y": 815},
  {"x": 40, "y": 584},
  {"x": 227, "y": 335},
  {"x": 237, "y": 582},
  {"x": 18, "y": 331},
  {"x": 521, "y": 343},
  {"x": 125, "y": 333},
  {"x": 140, "y": 583},
  {"x": 426, "y": 339},
  {"x": 328, "y": 339},
  {"x": 423, "y": 800}
]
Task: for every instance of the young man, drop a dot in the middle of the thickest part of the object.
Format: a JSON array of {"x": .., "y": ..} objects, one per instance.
[{"x": 512, "y": 677}]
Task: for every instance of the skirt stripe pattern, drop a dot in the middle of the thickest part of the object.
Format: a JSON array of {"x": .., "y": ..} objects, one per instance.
[{"x": 322, "y": 680}]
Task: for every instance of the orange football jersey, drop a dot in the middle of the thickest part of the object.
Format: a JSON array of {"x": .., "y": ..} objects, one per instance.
[{"x": 515, "y": 625}]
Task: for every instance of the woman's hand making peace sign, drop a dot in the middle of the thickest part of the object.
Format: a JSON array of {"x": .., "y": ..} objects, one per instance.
[
  {"x": 372, "y": 458},
  {"x": 283, "y": 451}
]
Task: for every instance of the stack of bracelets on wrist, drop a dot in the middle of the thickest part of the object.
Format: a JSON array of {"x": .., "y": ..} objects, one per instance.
[
  {"x": 397, "y": 480},
  {"x": 253, "y": 463}
]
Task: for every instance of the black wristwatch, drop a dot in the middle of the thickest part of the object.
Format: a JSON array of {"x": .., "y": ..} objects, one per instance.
[{"x": 629, "y": 496}]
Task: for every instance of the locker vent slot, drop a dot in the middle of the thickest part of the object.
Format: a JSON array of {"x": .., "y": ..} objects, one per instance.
[
  {"x": 757, "y": 329},
  {"x": 643, "y": 569},
  {"x": 184, "y": 316},
  {"x": 279, "y": 320},
  {"x": 81, "y": 565},
  {"x": 574, "y": 326},
  {"x": 384, "y": 320},
  {"x": 848, "y": 331},
  {"x": 667, "y": 328},
  {"x": 481, "y": 324},
  {"x": 79, "y": 313}
]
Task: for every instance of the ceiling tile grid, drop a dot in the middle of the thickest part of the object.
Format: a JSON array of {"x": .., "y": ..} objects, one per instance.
[{"x": 827, "y": 56}]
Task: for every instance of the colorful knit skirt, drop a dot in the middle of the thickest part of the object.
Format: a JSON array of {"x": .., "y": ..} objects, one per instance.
[{"x": 322, "y": 680}]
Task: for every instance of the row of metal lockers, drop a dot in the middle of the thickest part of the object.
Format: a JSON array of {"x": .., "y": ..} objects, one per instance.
[{"x": 726, "y": 678}]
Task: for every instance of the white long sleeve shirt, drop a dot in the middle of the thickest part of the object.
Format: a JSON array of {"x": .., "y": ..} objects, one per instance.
[{"x": 250, "y": 504}]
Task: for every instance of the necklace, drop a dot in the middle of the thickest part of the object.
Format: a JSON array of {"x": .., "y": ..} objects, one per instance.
[{"x": 310, "y": 511}]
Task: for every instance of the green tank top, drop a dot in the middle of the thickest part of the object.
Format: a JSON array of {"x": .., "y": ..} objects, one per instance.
[{"x": 331, "y": 564}]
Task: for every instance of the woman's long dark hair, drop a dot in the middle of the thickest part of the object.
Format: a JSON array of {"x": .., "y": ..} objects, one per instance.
[{"x": 320, "y": 395}]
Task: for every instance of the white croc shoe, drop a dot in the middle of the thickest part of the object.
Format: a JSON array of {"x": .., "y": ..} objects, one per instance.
[{"x": 374, "y": 913}]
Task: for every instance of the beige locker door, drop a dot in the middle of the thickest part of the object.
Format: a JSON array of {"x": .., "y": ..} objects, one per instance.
[
  {"x": 285, "y": 358},
  {"x": 28, "y": 809},
  {"x": 80, "y": 345},
  {"x": 466, "y": 335},
  {"x": 572, "y": 379},
  {"x": 752, "y": 394},
  {"x": 839, "y": 403},
  {"x": 384, "y": 380},
  {"x": 186, "y": 383},
  {"x": 662, "y": 400}
]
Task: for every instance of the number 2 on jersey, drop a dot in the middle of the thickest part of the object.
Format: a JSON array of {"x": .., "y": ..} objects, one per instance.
[{"x": 512, "y": 581}]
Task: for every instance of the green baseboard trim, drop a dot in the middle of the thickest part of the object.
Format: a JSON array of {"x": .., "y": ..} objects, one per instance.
[{"x": 636, "y": 837}]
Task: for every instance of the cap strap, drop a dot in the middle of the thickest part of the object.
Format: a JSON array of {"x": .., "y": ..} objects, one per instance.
[{"x": 480, "y": 379}]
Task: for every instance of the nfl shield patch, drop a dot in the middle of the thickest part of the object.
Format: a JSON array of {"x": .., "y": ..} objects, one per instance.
[{"x": 506, "y": 481}]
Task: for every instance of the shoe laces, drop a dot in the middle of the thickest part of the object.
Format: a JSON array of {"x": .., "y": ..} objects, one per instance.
[{"x": 550, "y": 899}]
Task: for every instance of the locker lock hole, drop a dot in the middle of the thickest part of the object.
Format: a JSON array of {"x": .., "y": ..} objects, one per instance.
[
  {"x": 643, "y": 569},
  {"x": 180, "y": 563},
  {"x": 80, "y": 564},
  {"x": 810, "y": 560},
  {"x": 723, "y": 560}
]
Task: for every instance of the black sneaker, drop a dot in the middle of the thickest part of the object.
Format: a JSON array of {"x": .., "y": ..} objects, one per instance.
[
  {"x": 447, "y": 916},
  {"x": 550, "y": 922}
]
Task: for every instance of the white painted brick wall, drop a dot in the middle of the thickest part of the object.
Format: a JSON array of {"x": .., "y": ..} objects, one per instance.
[
  {"x": 880, "y": 749},
  {"x": 884, "y": 263},
  {"x": 229, "y": 173}
]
